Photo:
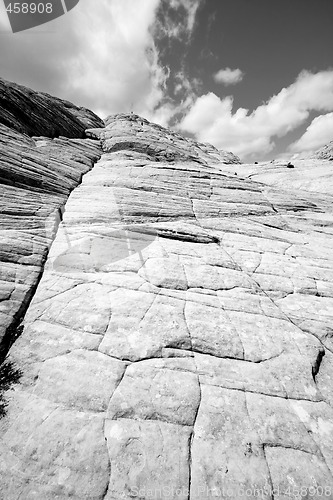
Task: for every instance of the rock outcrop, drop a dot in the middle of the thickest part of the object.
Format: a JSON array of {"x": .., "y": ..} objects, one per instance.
[
  {"x": 39, "y": 114},
  {"x": 179, "y": 342},
  {"x": 36, "y": 177},
  {"x": 134, "y": 133},
  {"x": 308, "y": 175}
]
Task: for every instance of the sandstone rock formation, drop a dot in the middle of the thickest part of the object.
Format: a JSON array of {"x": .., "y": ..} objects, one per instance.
[
  {"x": 137, "y": 134},
  {"x": 179, "y": 342},
  {"x": 37, "y": 113},
  {"x": 36, "y": 177},
  {"x": 308, "y": 175}
]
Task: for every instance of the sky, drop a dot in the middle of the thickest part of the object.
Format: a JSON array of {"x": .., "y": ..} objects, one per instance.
[{"x": 254, "y": 77}]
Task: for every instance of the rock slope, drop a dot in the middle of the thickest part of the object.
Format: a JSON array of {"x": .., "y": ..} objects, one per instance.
[
  {"x": 36, "y": 177},
  {"x": 179, "y": 343},
  {"x": 37, "y": 113},
  {"x": 310, "y": 174},
  {"x": 134, "y": 133}
]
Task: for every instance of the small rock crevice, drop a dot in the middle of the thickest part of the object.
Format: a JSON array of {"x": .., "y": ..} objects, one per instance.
[
  {"x": 192, "y": 434},
  {"x": 317, "y": 363},
  {"x": 271, "y": 484}
]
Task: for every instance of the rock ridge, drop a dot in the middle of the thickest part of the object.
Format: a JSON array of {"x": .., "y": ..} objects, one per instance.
[
  {"x": 128, "y": 131},
  {"x": 39, "y": 114}
]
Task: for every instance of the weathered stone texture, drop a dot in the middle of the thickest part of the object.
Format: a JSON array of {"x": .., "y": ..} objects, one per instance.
[
  {"x": 133, "y": 133},
  {"x": 36, "y": 177},
  {"x": 39, "y": 114},
  {"x": 179, "y": 344},
  {"x": 312, "y": 174}
]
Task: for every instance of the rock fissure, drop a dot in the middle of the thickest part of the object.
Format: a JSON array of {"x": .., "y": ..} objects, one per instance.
[
  {"x": 317, "y": 363},
  {"x": 271, "y": 484},
  {"x": 285, "y": 397},
  {"x": 298, "y": 325},
  {"x": 277, "y": 445},
  {"x": 192, "y": 434}
]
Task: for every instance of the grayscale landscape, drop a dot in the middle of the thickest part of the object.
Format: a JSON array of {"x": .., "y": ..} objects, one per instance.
[{"x": 166, "y": 299}]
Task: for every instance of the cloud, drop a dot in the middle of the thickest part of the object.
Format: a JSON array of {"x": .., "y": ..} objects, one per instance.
[
  {"x": 116, "y": 67},
  {"x": 191, "y": 8},
  {"x": 229, "y": 76},
  {"x": 103, "y": 55},
  {"x": 318, "y": 133},
  {"x": 176, "y": 18},
  {"x": 174, "y": 26},
  {"x": 211, "y": 119}
]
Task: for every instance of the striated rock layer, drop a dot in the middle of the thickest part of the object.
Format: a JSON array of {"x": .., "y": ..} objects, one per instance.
[
  {"x": 37, "y": 113},
  {"x": 179, "y": 344},
  {"x": 36, "y": 177},
  {"x": 300, "y": 177}
]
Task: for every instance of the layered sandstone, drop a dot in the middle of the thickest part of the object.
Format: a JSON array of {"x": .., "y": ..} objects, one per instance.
[
  {"x": 37, "y": 113},
  {"x": 179, "y": 343},
  {"x": 36, "y": 176}
]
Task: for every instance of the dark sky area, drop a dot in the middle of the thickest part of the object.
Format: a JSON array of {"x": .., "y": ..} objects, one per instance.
[{"x": 271, "y": 41}]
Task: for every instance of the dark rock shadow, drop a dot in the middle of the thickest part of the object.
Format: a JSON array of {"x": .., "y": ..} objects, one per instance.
[{"x": 9, "y": 375}]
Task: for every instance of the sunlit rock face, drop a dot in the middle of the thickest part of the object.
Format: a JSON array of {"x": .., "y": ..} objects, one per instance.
[
  {"x": 299, "y": 176},
  {"x": 179, "y": 342},
  {"x": 134, "y": 133}
]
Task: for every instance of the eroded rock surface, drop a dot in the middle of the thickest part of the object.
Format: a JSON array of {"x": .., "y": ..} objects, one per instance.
[
  {"x": 179, "y": 344},
  {"x": 134, "y": 133},
  {"x": 36, "y": 177},
  {"x": 310, "y": 174},
  {"x": 37, "y": 113}
]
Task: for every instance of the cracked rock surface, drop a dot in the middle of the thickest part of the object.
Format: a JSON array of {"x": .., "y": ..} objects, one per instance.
[
  {"x": 36, "y": 177},
  {"x": 179, "y": 343}
]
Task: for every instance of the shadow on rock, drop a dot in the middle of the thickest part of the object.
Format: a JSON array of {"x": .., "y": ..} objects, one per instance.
[
  {"x": 94, "y": 254},
  {"x": 9, "y": 376}
]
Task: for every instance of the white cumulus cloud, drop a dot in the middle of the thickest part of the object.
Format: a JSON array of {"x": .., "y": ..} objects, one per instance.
[
  {"x": 102, "y": 55},
  {"x": 229, "y": 76},
  {"x": 212, "y": 119},
  {"x": 318, "y": 133},
  {"x": 116, "y": 66}
]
